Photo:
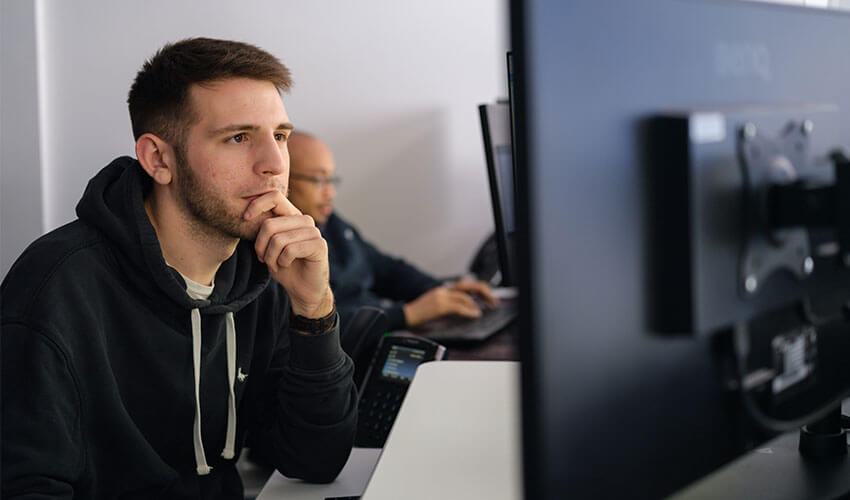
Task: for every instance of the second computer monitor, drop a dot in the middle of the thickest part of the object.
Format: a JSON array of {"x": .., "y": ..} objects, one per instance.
[{"x": 496, "y": 130}]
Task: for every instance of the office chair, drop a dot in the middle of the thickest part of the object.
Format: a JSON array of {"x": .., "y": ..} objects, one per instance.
[
  {"x": 485, "y": 264},
  {"x": 359, "y": 338}
]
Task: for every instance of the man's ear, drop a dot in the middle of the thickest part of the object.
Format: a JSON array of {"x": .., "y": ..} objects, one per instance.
[{"x": 157, "y": 158}]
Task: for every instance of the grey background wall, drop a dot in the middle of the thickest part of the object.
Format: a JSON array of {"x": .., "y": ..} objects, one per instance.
[
  {"x": 391, "y": 85},
  {"x": 21, "y": 208}
]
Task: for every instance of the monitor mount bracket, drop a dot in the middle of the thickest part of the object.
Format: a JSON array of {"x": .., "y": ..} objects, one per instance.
[{"x": 781, "y": 205}]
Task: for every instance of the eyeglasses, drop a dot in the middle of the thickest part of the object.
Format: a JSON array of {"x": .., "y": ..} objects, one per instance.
[{"x": 319, "y": 181}]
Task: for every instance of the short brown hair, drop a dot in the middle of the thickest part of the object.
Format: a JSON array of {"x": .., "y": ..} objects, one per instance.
[{"x": 159, "y": 97}]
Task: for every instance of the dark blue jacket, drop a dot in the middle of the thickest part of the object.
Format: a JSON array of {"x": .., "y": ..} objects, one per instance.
[{"x": 362, "y": 275}]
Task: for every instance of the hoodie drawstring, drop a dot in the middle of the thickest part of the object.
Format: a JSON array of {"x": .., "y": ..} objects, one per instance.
[
  {"x": 230, "y": 439},
  {"x": 200, "y": 458},
  {"x": 229, "y": 444}
]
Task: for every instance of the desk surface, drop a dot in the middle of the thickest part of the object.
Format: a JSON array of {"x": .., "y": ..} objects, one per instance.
[
  {"x": 776, "y": 471},
  {"x": 457, "y": 435}
]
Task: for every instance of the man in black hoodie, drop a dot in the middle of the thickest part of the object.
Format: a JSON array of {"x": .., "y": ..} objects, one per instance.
[{"x": 187, "y": 307}]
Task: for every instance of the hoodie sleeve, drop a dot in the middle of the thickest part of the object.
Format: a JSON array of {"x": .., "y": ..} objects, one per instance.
[
  {"x": 41, "y": 437},
  {"x": 312, "y": 433}
]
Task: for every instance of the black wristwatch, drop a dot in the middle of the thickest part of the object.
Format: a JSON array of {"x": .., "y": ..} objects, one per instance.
[{"x": 312, "y": 326}]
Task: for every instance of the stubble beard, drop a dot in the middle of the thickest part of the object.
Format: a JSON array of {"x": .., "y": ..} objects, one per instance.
[{"x": 207, "y": 213}]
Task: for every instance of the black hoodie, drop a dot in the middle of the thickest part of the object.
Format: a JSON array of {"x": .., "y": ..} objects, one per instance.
[{"x": 98, "y": 376}]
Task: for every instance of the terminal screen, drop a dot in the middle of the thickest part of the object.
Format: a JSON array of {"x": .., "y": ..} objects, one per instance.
[{"x": 402, "y": 362}]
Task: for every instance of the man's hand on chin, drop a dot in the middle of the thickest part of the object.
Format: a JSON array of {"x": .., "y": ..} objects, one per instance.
[{"x": 292, "y": 247}]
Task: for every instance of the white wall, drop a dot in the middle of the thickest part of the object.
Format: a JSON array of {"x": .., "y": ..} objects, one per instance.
[
  {"x": 391, "y": 85},
  {"x": 21, "y": 212}
]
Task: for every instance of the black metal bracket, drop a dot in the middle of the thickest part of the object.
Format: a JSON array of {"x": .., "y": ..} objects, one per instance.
[
  {"x": 767, "y": 162},
  {"x": 782, "y": 206}
]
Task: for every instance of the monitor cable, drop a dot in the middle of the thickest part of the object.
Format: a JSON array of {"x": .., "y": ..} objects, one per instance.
[{"x": 741, "y": 343}]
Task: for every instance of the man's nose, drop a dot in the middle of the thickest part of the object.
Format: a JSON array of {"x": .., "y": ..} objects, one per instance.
[
  {"x": 272, "y": 158},
  {"x": 330, "y": 191}
]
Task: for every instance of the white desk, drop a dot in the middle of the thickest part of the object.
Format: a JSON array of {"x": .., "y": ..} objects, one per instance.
[{"x": 457, "y": 435}]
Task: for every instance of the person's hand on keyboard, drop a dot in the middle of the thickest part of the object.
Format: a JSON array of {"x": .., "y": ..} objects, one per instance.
[
  {"x": 477, "y": 288},
  {"x": 454, "y": 299}
]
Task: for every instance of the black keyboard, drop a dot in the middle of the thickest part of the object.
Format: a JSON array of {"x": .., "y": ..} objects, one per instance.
[{"x": 459, "y": 329}]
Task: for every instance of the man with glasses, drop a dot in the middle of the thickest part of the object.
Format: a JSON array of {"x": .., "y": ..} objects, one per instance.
[{"x": 360, "y": 273}]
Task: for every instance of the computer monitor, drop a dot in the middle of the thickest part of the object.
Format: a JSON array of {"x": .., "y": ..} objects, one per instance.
[
  {"x": 666, "y": 296},
  {"x": 496, "y": 132}
]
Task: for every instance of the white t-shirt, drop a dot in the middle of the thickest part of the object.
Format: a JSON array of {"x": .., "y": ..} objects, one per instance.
[{"x": 196, "y": 290}]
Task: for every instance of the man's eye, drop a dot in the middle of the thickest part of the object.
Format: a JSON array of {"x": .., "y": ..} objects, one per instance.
[
  {"x": 280, "y": 137},
  {"x": 238, "y": 138}
]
